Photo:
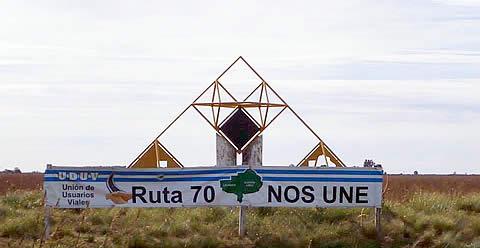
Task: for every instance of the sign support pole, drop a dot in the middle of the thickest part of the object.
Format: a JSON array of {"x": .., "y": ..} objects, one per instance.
[
  {"x": 47, "y": 223},
  {"x": 242, "y": 221},
  {"x": 378, "y": 223},
  {"x": 46, "y": 233}
]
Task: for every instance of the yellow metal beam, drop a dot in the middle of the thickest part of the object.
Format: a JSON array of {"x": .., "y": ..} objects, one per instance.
[{"x": 238, "y": 104}]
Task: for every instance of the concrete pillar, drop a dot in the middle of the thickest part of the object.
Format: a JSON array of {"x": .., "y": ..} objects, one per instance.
[
  {"x": 252, "y": 155},
  {"x": 226, "y": 154}
]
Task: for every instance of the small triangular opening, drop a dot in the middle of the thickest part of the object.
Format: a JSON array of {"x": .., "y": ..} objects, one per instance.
[
  {"x": 225, "y": 95},
  {"x": 255, "y": 94},
  {"x": 272, "y": 96},
  {"x": 207, "y": 112},
  {"x": 271, "y": 114}
]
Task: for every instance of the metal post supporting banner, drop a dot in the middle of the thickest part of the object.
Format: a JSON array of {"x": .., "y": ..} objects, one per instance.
[
  {"x": 47, "y": 212},
  {"x": 378, "y": 223},
  {"x": 46, "y": 235},
  {"x": 242, "y": 221}
]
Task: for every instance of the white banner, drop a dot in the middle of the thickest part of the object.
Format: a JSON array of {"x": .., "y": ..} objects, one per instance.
[{"x": 266, "y": 186}]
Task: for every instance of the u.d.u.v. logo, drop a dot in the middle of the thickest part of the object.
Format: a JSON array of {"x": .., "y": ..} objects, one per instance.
[{"x": 74, "y": 176}]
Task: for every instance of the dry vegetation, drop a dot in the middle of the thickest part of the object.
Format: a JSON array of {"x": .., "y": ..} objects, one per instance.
[
  {"x": 24, "y": 181},
  {"x": 402, "y": 188},
  {"x": 419, "y": 211}
]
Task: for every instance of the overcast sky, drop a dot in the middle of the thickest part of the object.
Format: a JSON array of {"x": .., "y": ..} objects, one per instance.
[{"x": 93, "y": 82}]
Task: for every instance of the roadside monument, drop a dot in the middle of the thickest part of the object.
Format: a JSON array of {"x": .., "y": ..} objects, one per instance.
[{"x": 144, "y": 183}]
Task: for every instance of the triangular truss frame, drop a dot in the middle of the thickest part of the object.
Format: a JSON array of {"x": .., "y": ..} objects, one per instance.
[{"x": 217, "y": 104}]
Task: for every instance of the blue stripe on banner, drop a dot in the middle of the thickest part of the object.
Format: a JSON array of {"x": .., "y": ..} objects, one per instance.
[
  {"x": 194, "y": 179},
  {"x": 77, "y": 171},
  {"x": 151, "y": 173},
  {"x": 178, "y": 173},
  {"x": 137, "y": 180},
  {"x": 206, "y": 179},
  {"x": 225, "y": 171},
  {"x": 322, "y": 179},
  {"x": 56, "y": 179},
  {"x": 181, "y": 179},
  {"x": 319, "y": 172}
]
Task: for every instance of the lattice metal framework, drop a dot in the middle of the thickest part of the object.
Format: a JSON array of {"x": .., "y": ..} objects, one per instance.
[{"x": 155, "y": 153}]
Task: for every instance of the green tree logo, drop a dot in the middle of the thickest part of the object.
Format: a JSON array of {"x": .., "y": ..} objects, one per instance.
[{"x": 246, "y": 182}]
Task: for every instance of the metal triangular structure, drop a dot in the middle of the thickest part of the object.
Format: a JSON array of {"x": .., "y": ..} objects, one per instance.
[
  {"x": 147, "y": 160},
  {"x": 154, "y": 155}
]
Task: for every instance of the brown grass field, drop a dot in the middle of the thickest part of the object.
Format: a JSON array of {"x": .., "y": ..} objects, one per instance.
[
  {"x": 24, "y": 181},
  {"x": 396, "y": 187},
  {"x": 403, "y": 187}
]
